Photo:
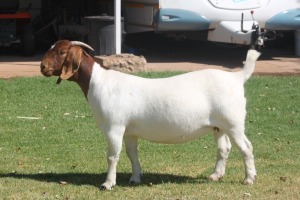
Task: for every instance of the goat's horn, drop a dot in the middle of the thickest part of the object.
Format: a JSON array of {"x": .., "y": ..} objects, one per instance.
[{"x": 82, "y": 44}]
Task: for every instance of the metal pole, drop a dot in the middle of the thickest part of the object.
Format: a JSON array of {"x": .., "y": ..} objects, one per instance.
[
  {"x": 297, "y": 43},
  {"x": 118, "y": 26}
]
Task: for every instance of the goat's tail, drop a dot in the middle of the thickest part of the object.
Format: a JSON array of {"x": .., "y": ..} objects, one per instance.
[{"x": 249, "y": 65}]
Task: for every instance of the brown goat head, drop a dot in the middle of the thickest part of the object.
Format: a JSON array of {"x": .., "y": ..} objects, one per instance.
[{"x": 63, "y": 59}]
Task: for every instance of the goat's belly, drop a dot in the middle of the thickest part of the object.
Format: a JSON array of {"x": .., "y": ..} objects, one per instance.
[{"x": 167, "y": 135}]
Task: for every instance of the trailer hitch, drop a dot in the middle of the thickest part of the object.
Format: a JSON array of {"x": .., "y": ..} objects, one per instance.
[{"x": 258, "y": 36}]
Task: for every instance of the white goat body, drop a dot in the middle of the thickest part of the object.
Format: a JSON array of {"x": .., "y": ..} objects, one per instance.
[
  {"x": 166, "y": 110},
  {"x": 172, "y": 110}
]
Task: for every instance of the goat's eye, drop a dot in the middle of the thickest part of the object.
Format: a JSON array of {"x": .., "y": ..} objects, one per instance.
[{"x": 61, "y": 52}]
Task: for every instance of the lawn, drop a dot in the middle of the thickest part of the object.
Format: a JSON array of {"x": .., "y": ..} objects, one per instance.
[{"x": 59, "y": 153}]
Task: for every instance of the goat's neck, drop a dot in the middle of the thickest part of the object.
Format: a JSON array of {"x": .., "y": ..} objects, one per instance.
[{"x": 83, "y": 75}]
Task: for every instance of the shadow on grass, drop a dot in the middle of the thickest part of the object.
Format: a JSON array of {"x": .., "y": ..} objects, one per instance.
[{"x": 97, "y": 179}]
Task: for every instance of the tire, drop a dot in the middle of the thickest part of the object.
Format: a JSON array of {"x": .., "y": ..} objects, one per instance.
[{"x": 28, "y": 41}]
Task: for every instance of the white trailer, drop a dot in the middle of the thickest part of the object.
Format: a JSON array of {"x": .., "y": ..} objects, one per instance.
[{"x": 245, "y": 22}]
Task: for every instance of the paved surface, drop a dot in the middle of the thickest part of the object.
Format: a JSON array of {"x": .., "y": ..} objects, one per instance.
[{"x": 169, "y": 55}]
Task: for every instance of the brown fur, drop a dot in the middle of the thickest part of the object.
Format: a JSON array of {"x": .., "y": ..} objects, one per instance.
[{"x": 69, "y": 62}]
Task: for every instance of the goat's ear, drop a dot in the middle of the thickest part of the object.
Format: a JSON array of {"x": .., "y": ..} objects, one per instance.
[{"x": 71, "y": 63}]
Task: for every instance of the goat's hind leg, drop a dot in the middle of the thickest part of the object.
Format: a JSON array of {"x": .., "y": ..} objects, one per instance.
[
  {"x": 223, "y": 151},
  {"x": 246, "y": 149},
  {"x": 132, "y": 152}
]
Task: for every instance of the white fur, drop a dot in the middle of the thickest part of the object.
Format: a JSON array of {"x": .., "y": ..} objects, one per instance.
[{"x": 172, "y": 110}]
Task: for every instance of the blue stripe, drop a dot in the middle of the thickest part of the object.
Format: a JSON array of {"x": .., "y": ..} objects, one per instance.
[
  {"x": 180, "y": 20},
  {"x": 286, "y": 20}
]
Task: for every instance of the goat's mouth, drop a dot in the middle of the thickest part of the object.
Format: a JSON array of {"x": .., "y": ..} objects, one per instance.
[{"x": 47, "y": 72}]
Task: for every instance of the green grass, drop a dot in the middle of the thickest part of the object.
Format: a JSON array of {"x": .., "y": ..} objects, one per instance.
[{"x": 65, "y": 145}]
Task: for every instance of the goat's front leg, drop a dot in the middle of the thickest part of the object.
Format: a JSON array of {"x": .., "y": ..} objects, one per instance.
[
  {"x": 114, "y": 139},
  {"x": 223, "y": 151},
  {"x": 132, "y": 152}
]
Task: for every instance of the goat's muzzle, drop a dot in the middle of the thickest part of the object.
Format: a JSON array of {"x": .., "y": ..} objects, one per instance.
[{"x": 45, "y": 70}]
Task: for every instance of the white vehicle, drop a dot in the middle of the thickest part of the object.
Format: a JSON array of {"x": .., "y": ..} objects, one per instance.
[{"x": 246, "y": 22}]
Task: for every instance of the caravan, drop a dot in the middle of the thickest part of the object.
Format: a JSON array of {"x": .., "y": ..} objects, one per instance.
[{"x": 245, "y": 22}]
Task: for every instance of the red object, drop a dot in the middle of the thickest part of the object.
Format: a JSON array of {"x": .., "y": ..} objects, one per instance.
[
  {"x": 21, "y": 15},
  {"x": 22, "y": 19}
]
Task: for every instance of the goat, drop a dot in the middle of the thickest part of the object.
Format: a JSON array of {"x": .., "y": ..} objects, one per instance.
[{"x": 164, "y": 110}]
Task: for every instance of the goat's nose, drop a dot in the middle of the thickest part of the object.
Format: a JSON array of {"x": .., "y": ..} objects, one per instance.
[{"x": 43, "y": 66}]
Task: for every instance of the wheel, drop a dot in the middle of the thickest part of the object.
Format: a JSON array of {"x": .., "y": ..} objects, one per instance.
[{"x": 27, "y": 41}]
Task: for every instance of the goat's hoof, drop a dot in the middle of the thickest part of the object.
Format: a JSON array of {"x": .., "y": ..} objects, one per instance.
[
  {"x": 248, "y": 181},
  {"x": 215, "y": 177},
  {"x": 105, "y": 187},
  {"x": 102, "y": 187},
  {"x": 134, "y": 182},
  {"x": 135, "y": 179}
]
